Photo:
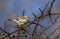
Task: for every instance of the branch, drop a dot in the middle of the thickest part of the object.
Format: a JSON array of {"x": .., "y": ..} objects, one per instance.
[{"x": 4, "y": 31}]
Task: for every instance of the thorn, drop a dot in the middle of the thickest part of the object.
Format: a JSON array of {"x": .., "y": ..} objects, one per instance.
[
  {"x": 45, "y": 6},
  {"x": 23, "y": 13},
  {"x": 34, "y": 15},
  {"x": 41, "y": 11}
]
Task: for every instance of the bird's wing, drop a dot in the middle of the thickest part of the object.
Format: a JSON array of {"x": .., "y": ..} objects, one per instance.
[{"x": 17, "y": 22}]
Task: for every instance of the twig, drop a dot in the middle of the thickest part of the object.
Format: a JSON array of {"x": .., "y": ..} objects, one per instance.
[
  {"x": 23, "y": 13},
  {"x": 4, "y": 31}
]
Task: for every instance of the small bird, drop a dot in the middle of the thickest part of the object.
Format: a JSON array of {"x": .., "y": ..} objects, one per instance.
[{"x": 20, "y": 21}]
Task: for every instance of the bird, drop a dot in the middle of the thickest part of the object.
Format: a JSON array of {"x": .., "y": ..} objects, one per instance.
[{"x": 20, "y": 21}]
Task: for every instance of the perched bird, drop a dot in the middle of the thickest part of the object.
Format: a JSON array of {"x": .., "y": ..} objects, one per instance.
[{"x": 20, "y": 21}]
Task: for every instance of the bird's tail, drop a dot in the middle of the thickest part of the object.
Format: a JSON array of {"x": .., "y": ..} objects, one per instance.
[{"x": 10, "y": 19}]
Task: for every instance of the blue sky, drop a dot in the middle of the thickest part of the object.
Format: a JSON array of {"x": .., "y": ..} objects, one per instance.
[{"x": 15, "y": 10}]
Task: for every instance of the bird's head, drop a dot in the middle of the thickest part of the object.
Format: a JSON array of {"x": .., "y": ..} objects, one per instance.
[{"x": 26, "y": 17}]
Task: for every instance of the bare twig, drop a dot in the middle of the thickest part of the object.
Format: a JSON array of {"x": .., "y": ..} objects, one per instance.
[
  {"x": 23, "y": 13},
  {"x": 4, "y": 31}
]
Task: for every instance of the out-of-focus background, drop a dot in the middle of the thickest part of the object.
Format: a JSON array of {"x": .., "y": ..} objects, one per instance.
[{"x": 14, "y": 9}]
